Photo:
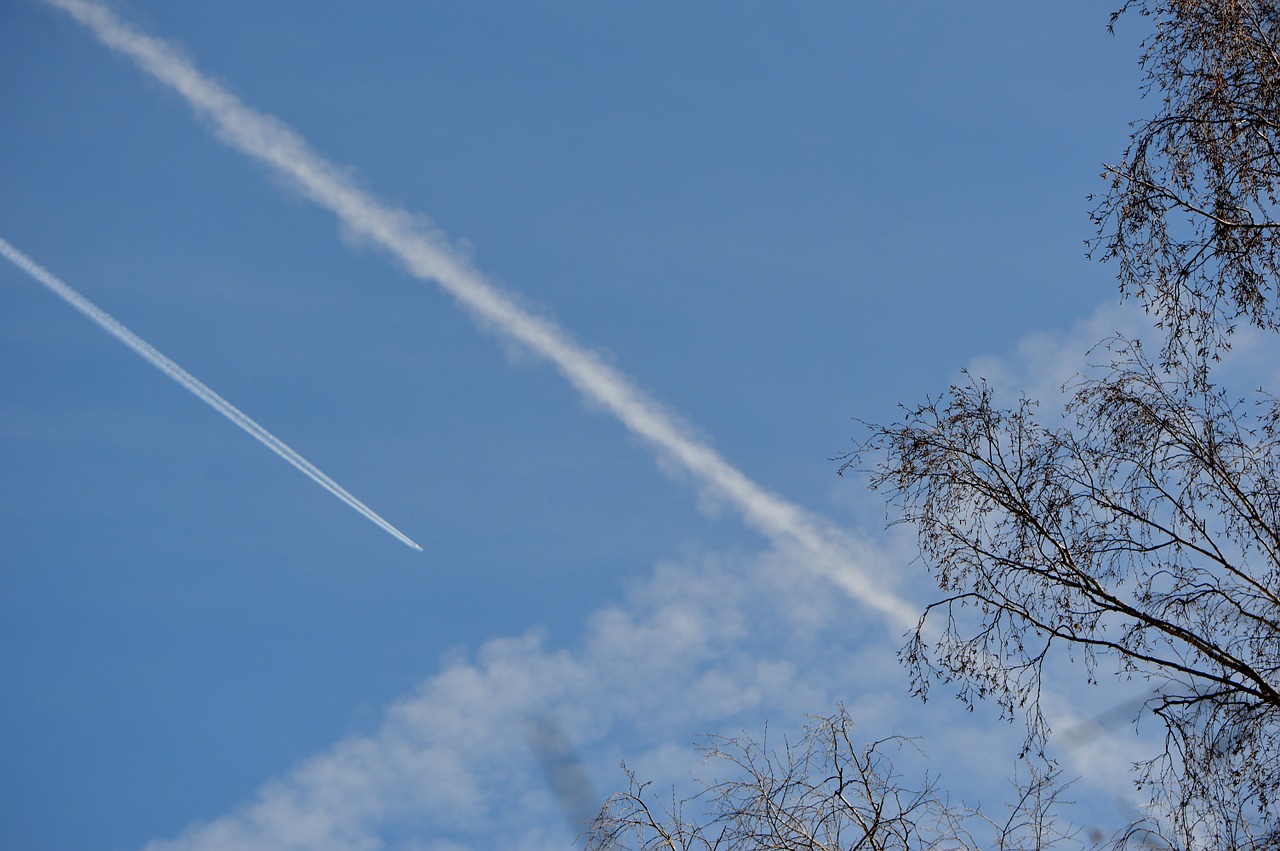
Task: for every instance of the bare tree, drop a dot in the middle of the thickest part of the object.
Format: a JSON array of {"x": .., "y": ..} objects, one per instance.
[
  {"x": 1147, "y": 528},
  {"x": 825, "y": 793},
  {"x": 1140, "y": 532}
]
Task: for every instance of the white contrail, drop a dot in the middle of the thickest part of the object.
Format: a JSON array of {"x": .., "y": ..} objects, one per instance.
[
  {"x": 427, "y": 256},
  {"x": 189, "y": 381}
]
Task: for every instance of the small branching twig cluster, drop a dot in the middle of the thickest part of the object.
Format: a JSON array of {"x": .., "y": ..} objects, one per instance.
[{"x": 826, "y": 792}]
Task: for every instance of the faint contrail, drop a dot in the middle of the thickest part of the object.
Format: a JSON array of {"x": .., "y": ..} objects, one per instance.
[
  {"x": 426, "y": 255},
  {"x": 189, "y": 381}
]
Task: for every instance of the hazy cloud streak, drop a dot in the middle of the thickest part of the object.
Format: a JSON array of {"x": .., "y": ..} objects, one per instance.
[
  {"x": 190, "y": 382},
  {"x": 427, "y": 256}
]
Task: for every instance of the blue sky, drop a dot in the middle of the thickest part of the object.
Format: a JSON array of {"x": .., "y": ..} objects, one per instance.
[{"x": 773, "y": 220}]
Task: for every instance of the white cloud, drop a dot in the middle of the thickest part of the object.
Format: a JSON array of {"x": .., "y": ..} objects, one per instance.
[
  {"x": 715, "y": 645},
  {"x": 698, "y": 647},
  {"x": 1043, "y": 361}
]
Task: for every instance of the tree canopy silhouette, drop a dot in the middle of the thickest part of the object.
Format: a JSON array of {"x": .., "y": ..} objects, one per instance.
[{"x": 1141, "y": 531}]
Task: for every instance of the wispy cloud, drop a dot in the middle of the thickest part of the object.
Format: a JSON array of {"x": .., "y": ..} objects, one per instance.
[
  {"x": 715, "y": 643},
  {"x": 427, "y": 256},
  {"x": 718, "y": 643},
  {"x": 1043, "y": 362},
  {"x": 109, "y": 324}
]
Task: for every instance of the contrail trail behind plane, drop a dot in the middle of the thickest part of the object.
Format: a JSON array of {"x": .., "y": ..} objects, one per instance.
[
  {"x": 426, "y": 255},
  {"x": 190, "y": 382}
]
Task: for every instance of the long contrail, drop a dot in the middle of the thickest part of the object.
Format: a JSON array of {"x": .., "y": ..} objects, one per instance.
[
  {"x": 190, "y": 382},
  {"x": 427, "y": 256}
]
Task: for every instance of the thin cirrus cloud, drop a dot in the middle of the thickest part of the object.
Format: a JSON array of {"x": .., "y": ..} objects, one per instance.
[
  {"x": 198, "y": 388},
  {"x": 427, "y": 256}
]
